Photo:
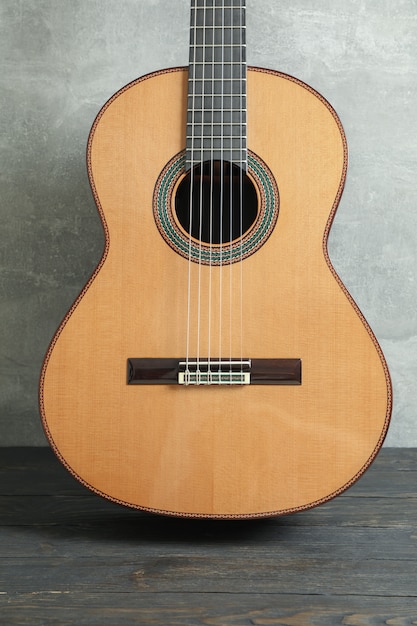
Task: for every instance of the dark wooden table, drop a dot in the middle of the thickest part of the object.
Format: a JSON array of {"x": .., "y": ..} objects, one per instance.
[{"x": 69, "y": 557}]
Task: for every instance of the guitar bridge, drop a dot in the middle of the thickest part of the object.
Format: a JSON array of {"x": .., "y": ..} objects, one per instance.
[{"x": 168, "y": 371}]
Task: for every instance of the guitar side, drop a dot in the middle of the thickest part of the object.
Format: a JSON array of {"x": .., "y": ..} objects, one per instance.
[{"x": 216, "y": 451}]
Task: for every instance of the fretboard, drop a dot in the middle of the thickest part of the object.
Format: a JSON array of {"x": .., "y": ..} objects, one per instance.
[{"x": 216, "y": 123}]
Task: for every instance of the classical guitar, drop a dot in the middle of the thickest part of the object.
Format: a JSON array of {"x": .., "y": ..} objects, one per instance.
[{"x": 214, "y": 365}]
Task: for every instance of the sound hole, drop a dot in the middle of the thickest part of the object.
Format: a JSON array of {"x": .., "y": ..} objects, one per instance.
[{"x": 224, "y": 203}]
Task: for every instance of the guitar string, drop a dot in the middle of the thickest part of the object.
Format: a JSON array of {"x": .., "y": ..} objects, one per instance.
[
  {"x": 211, "y": 204},
  {"x": 201, "y": 200},
  {"x": 221, "y": 190},
  {"x": 230, "y": 206},
  {"x": 242, "y": 75},
  {"x": 238, "y": 279},
  {"x": 214, "y": 94},
  {"x": 191, "y": 111},
  {"x": 231, "y": 272}
]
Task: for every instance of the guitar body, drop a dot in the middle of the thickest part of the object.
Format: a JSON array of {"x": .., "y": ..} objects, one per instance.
[{"x": 216, "y": 450}]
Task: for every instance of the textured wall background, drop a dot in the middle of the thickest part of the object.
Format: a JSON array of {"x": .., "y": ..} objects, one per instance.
[{"x": 60, "y": 60}]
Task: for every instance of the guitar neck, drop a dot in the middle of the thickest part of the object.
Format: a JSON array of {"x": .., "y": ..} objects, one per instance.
[{"x": 216, "y": 115}]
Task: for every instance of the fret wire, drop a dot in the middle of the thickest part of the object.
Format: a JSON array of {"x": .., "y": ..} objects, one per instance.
[
  {"x": 199, "y": 110},
  {"x": 215, "y": 80},
  {"x": 220, "y": 137},
  {"x": 219, "y": 7},
  {"x": 225, "y": 154},
  {"x": 227, "y": 27},
  {"x": 226, "y": 6},
  {"x": 215, "y": 95},
  {"x": 215, "y": 123},
  {"x": 212, "y": 143},
  {"x": 219, "y": 45},
  {"x": 191, "y": 160},
  {"x": 225, "y": 64}
]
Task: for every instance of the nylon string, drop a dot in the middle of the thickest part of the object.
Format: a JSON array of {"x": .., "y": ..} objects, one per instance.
[
  {"x": 192, "y": 149},
  {"x": 242, "y": 76}
]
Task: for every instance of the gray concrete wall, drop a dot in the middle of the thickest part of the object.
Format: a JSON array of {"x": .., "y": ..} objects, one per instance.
[{"x": 60, "y": 60}]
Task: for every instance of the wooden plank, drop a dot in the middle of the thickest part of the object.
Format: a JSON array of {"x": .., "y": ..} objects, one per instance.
[
  {"x": 344, "y": 543},
  {"x": 33, "y": 471},
  {"x": 183, "y": 573},
  {"x": 400, "y": 459},
  {"x": 386, "y": 484},
  {"x": 389, "y": 476},
  {"x": 98, "y": 609},
  {"x": 93, "y": 510}
]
